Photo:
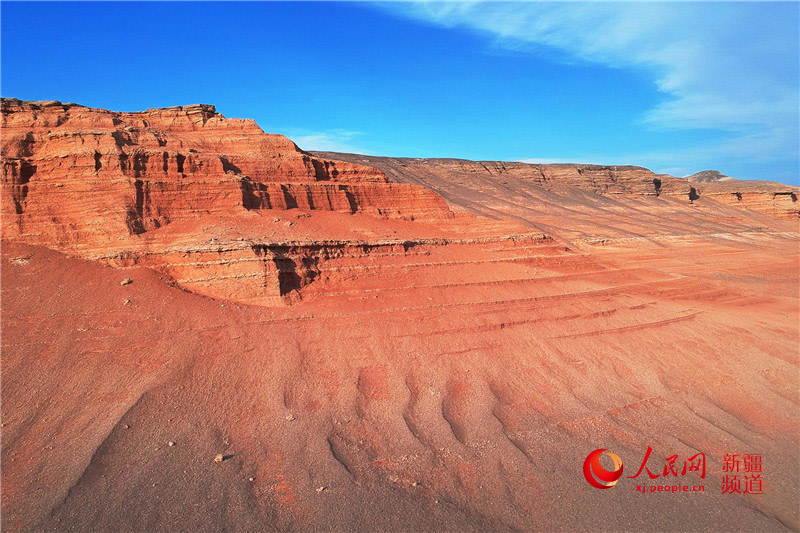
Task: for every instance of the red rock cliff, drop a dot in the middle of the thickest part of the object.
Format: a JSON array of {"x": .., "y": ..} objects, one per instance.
[
  {"x": 774, "y": 199},
  {"x": 76, "y": 174}
]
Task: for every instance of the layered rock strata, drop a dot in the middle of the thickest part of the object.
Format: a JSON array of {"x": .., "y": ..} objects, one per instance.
[
  {"x": 215, "y": 204},
  {"x": 73, "y": 174},
  {"x": 227, "y": 211},
  {"x": 773, "y": 199}
]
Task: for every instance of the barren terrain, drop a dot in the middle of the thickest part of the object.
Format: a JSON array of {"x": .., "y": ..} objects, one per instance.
[{"x": 379, "y": 343}]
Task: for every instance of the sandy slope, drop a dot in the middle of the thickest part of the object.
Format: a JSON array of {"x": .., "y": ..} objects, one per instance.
[
  {"x": 450, "y": 374},
  {"x": 455, "y": 407}
]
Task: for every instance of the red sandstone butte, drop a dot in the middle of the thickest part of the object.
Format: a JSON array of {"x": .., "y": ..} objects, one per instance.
[{"x": 378, "y": 343}]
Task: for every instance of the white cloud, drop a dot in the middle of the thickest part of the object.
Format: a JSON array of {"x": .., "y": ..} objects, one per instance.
[
  {"x": 325, "y": 141},
  {"x": 730, "y": 67}
]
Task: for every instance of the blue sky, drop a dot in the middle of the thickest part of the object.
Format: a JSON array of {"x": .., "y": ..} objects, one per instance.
[{"x": 677, "y": 87}]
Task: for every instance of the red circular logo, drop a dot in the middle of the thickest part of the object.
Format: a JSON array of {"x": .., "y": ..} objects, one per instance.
[{"x": 596, "y": 475}]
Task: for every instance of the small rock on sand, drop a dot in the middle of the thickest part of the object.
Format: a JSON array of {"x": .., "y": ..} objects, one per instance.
[
  {"x": 126, "y": 281},
  {"x": 219, "y": 458}
]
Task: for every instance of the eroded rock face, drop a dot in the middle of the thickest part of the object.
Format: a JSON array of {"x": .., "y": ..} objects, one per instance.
[
  {"x": 215, "y": 204},
  {"x": 773, "y": 199},
  {"x": 227, "y": 211},
  {"x": 76, "y": 174}
]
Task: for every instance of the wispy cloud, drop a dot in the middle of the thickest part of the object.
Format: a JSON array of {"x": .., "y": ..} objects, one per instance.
[
  {"x": 325, "y": 141},
  {"x": 729, "y": 67}
]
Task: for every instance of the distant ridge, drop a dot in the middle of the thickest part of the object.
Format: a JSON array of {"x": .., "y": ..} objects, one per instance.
[{"x": 708, "y": 176}]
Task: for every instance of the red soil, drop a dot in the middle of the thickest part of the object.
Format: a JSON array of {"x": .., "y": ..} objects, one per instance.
[{"x": 360, "y": 370}]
